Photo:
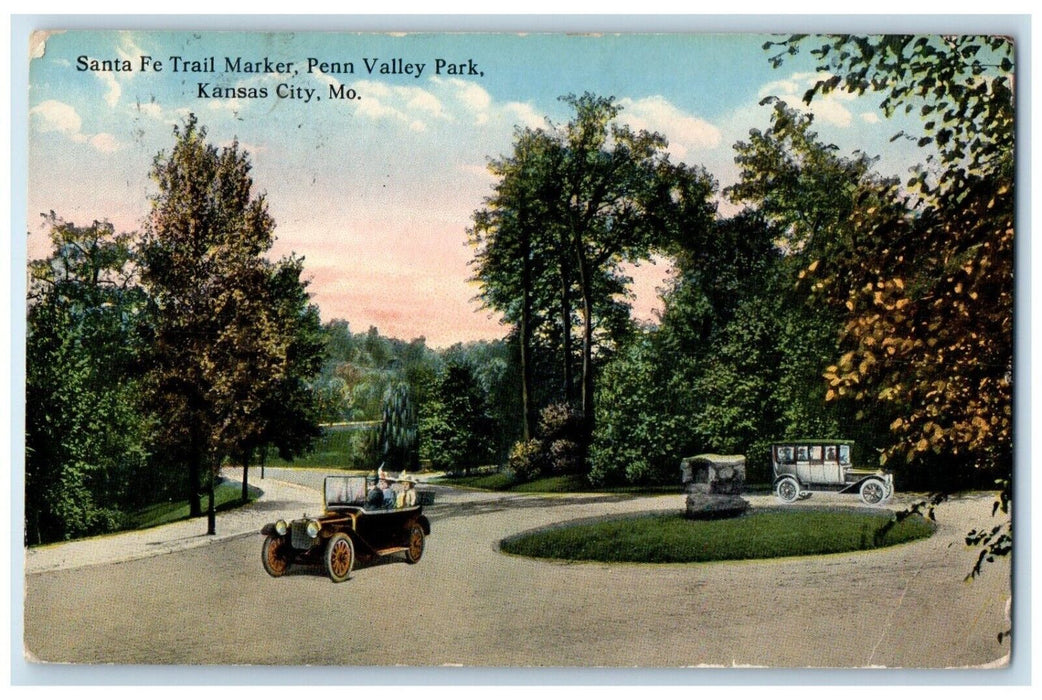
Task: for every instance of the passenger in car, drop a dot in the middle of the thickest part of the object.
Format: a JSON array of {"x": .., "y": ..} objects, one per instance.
[
  {"x": 390, "y": 497},
  {"x": 375, "y": 497},
  {"x": 407, "y": 496}
]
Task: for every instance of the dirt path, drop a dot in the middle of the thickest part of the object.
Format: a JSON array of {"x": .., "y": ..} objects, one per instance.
[{"x": 468, "y": 604}]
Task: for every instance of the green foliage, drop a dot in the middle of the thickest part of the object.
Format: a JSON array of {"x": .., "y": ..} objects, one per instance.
[
  {"x": 395, "y": 444},
  {"x": 226, "y": 495},
  {"x": 671, "y": 538},
  {"x": 572, "y": 204},
  {"x": 926, "y": 283},
  {"x": 85, "y": 435},
  {"x": 735, "y": 363},
  {"x": 563, "y": 439},
  {"x": 496, "y": 481},
  {"x": 643, "y": 424},
  {"x": 360, "y": 368},
  {"x": 233, "y": 339},
  {"x": 456, "y": 431},
  {"x": 337, "y": 447},
  {"x": 526, "y": 459},
  {"x": 559, "y": 449}
]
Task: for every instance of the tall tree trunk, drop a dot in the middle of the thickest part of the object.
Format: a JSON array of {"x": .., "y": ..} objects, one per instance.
[
  {"x": 566, "y": 335},
  {"x": 245, "y": 477},
  {"x": 195, "y": 504},
  {"x": 526, "y": 342},
  {"x": 587, "y": 368},
  {"x": 211, "y": 509},
  {"x": 585, "y": 288}
]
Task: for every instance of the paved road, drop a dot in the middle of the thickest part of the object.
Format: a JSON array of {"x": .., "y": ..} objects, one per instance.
[{"x": 467, "y": 604}]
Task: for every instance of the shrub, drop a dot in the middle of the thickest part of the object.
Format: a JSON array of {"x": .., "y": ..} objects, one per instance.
[{"x": 526, "y": 459}]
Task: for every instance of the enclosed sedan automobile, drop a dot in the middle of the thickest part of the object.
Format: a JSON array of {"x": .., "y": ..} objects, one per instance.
[{"x": 804, "y": 466}]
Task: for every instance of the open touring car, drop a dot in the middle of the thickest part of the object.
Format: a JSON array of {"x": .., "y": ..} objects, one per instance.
[{"x": 353, "y": 525}]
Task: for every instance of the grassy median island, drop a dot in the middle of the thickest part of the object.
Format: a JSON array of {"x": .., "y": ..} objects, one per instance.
[{"x": 671, "y": 538}]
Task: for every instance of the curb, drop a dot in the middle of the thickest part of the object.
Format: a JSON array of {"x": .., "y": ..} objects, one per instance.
[{"x": 182, "y": 535}]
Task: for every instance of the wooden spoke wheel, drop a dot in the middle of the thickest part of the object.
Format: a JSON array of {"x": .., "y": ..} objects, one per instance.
[
  {"x": 274, "y": 556},
  {"x": 415, "y": 544},
  {"x": 340, "y": 557}
]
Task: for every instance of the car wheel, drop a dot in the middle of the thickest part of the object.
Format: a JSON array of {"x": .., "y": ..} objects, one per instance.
[
  {"x": 873, "y": 492},
  {"x": 340, "y": 557},
  {"x": 787, "y": 490},
  {"x": 274, "y": 556},
  {"x": 415, "y": 544}
]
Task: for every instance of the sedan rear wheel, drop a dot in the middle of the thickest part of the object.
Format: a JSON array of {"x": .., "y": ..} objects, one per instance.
[
  {"x": 873, "y": 492},
  {"x": 340, "y": 557},
  {"x": 787, "y": 490}
]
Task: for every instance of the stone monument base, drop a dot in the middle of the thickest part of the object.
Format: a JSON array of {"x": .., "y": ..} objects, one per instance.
[
  {"x": 713, "y": 484},
  {"x": 701, "y": 506}
]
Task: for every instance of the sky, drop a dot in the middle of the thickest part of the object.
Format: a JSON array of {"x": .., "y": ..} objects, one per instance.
[{"x": 376, "y": 189}]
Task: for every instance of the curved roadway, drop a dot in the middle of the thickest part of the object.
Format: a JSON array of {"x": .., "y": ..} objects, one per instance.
[{"x": 468, "y": 604}]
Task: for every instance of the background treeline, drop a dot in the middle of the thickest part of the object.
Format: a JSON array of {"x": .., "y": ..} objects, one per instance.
[
  {"x": 836, "y": 302},
  {"x": 450, "y": 409}
]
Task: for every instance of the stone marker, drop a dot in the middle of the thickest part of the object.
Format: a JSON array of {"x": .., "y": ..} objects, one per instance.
[{"x": 713, "y": 484}]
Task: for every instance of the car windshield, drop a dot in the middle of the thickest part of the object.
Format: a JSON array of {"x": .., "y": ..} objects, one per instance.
[{"x": 344, "y": 490}]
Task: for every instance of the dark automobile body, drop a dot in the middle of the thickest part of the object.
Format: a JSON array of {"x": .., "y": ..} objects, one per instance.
[
  {"x": 348, "y": 529},
  {"x": 803, "y": 466}
]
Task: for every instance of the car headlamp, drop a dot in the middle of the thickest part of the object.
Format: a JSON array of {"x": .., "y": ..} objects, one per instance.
[
  {"x": 281, "y": 527},
  {"x": 313, "y": 528}
]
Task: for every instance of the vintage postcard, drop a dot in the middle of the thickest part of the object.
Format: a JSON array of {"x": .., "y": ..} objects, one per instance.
[{"x": 686, "y": 350}]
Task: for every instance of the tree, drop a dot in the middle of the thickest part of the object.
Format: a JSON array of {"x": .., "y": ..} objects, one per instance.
[
  {"x": 930, "y": 303},
  {"x": 510, "y": 241},
  {"x": 289, "y": 414},
  {"x": 86, "y": 438},
  {"x": 619, "y": 199},
  {"x": 396, "y": 442},
  {"x": 455, "y": 428},
  {"x": 801, "y": 186},
  {"x": 929, "y": 306},
  {"x": 219, "y": 346},
  {"x": 574, "y": 203}
]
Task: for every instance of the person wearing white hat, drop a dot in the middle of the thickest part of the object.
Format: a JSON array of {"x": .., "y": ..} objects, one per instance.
[{"x": 407, "y": 496}]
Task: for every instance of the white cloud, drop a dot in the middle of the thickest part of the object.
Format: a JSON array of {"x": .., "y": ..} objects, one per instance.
[
  {"x": 870, "y": 117},
  {"x": 106, "y": 143},
  {"x": 56, "y": 116},
  {"x": 828, "y": 109},
  {"x": 52, "y": 115},
  {"x": 383, "y": 102},
  {"x": 684, "y": 131},
  {"x": 129, "y": 49},
  {"x": 115, "y": 90},
  {"x": 524, "y": 114},
  {"x": 471, "y": 97},
  {"x": 423, "y": 101}
]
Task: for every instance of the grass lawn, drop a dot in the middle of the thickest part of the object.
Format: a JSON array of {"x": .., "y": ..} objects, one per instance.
[
  {"x": 337, "y": 448},
  {"x": 226, "y": 495},
  {"x": 761, "y": 534}
]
